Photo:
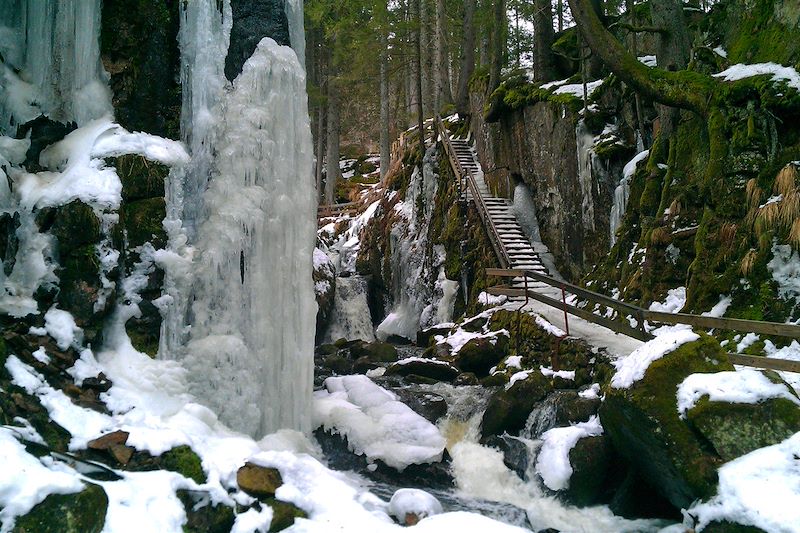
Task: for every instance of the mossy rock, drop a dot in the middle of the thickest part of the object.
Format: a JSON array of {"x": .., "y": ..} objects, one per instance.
[
  {"x": 644, "y": 427},
  {"x": 184, "y": 461},
  {"x": 258, "y": 481},
  {"x": 141, "y": 179},
  {"x": 481, "y": 354},
  {"x": 283, "y": 515},
  {"x": 80, "y": 286},
  {"x": 382, "y": 352},
  {"x": 735, "y": 429},
  {"x": 431, "y": 369},
  {"x": 82, "y": 512},
  {"x": 205, "y": 519},
  {"x": 142, "y": 221},
  {"x": 508, "y": 409},
  {"x": 74, "y": 225},
  {"x": 590, "y": 459}
]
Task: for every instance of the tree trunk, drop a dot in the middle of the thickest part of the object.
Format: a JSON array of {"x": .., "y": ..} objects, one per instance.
[
  {"x": 543, "y": 36},
  {"x": 673, "y": 50},
  {"x": 689, "y": 90},
  {"x": 332, "y": 167},
  {"x": 418, "y": 57},
  {"x": 467, "y": 58},
  {"x": 498, "y": 43},
  {"x": 385, "y": 148},
  {"x": 442, "y": 67}
]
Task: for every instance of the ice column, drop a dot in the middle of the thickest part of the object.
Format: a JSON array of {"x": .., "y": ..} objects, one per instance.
[{"x": 248, "y": 200}]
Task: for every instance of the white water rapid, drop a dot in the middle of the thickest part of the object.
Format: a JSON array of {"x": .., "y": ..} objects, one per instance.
[{"x": 246, "y": 201}]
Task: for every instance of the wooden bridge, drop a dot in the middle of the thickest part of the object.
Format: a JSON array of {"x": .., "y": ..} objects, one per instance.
[
  {"x": 530, "y": 280},
  {"x": 335, "y": 210}
]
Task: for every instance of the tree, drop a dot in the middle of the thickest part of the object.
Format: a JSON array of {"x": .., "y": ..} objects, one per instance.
[
  {"x": 543, "y": 60},
  {"x": 467, "y": 58}
]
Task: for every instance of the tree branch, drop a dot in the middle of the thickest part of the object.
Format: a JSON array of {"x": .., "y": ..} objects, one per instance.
[
  {"x": 639, "y": 29},
  {"x": 683, "y": 89}
]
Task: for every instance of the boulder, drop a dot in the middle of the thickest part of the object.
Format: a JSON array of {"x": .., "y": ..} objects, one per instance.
[
  {"x": 258, "y": 481},
  {"x": 202, "y": 516},
  {"x": 82, "y": 512},
  {"x": 426, "y": 336},
  {"x": 324, "y": 277},
  {"x": 426, "y": 368},
  {"x": 735, "y": 429},
  {"x": 509, "y": 408},
  {"x": 426, "y": 404},
  {"x": 480, "y": 355},
  {"x": 379, "y": 352},
  {"x": 590, "y": 460},
  {"x": 643, "y": 424}
]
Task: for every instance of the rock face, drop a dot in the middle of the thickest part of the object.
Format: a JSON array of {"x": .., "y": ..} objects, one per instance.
[
  {"x": 591, "y": 461},
  {"x": 644, "y": 427},
  {"x": 252, "y": 21},
  {"x": 480, "y": 355}
]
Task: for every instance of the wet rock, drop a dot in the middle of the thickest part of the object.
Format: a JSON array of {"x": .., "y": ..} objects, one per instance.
[
  {"x": 202, "y": 516},
  {"x": 426, "y": 368},
  {"x": 258, "y": 481},
  {"x": 466, "y": 378},
  {"x": 183, "y": 460},
  {"x": 426, "y": 336},
  {"x": 142, "y": 222},
  {"x": 326, "y": 349},
  {"x": 283, "y": 515},
  {"x": 508, "y": 409},
  {"x": 324, "y": 277},
  {"x": 141, "y": 179},
  {"x": 109, "y": 439},
  {"x": 634, "y": 498},
  {"x": 82, "y": 512},
  {"x": 43, "y": 132},
  {"x": 426, "y": 404},
  {"x": 515, "y": 452},
  {"x": 643, "y": 425},
  {"x": 379, "y": 352},
  {"x": 480, "y": 355},
  {"x": 590, "y": 460},
  {"x": 498, "y": 379},
  {"x": 252, "y": 21}
]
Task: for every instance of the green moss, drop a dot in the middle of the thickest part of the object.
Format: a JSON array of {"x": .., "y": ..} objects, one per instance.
[
  {"x": 206, "y": 518},
  {"x": 141, "y": 179},
  {"x": 283, "y": 514},
  {"x": 142, "y": 222},
  {"x": 184, "y": 461},
  {"x": 82, "y": 512}
]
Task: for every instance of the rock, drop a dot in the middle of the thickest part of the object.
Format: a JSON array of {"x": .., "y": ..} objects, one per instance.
[
  {"x": 735, "y": 429},
  {"x": 121, "y": 453},
  {"x": 364, "y": 364},
  {"x": 508, "y": 409},
  {"x": 426, "y": 404},
  {"x": 141, "y": 179},
  {"x": 643, "y": 425},
  {"x": 258, "y": 481},
  {"x": 635, "y": 498},
  {"x": 427, "y": 368},
  {"x": 409, "y": 506},
  {"x": 43, "y": 133},
  {"x": 339, "y": 364},
  {"x": 498, "y": 379},
  {"x": 142, "y": 222},
  {"x": 590, "y": 460},
  {"x": 109, "y": 439},
  {"x": 515, "y": 452},
  {"x": 324, "y": 278},
  {"x": 326, "y": 349},
  {"x": 480, "y": 355},
  {"x": 82, "y": 512},
  {"x": 382, "y": 352},
  {"x": 252, "y": 21},
  {"x": 202, "y": 516},
  {"x": 283, "y": 515},
  {"x": 183, "y": 460},
  {"x": 425, "y": 337},
  {"x": 73, "y": 225},
  {"x": 466, "y": 378}
]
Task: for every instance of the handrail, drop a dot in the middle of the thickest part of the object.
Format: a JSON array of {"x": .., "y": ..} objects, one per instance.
[
  {"x": 734, "y": 324},
  {"x": 329, "y": 210},
  {"x": 465, "y": 175}
]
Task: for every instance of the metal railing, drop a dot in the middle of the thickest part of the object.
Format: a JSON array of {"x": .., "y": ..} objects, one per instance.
[{"x": 641, "y": 315}]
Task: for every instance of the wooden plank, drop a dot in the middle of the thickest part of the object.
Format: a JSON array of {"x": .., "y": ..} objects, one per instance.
[
  {"x": 765, "y": 362},
  {"x": 734, "y": 324},
  {"x": 582, "y": 313}
]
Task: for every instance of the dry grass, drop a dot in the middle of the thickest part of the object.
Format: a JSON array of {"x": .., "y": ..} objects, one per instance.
[
  {"x": 749, "y": 261},
  {"x": 786, "y": 179},
  {"x": 753, "y": 194},
  {"x": 675, "y": 208},
  {"x": 660, "y": 236},
  {"x": 790, "y": 208},
  {"x": 727, "y": 236},
  {"x": 770, "y": 214},
  {"x": 794, "y": 234}
]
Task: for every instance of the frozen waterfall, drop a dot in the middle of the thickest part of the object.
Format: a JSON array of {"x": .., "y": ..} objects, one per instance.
[
  {"x": 52, "y": 62},
  {"x": 247, "y": 205}
]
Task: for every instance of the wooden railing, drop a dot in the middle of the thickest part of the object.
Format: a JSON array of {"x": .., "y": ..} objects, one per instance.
[
  {"x": 641, "y": 315},
  {"x": 466, "y": 182},
  {"x": 325, "y": 211}
]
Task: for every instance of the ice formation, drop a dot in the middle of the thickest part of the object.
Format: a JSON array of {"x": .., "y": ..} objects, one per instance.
[
  {"x": 247, "y": 203},
  {"x": 621, "y": 193}
]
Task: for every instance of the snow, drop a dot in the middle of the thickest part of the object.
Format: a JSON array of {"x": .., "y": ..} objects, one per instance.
[
  {"x": 676, "y": 299},
  {"x": 350, "y": 318},
  {"x": 518, "y": 376},
  {"x": 375, "y": 423},
  {"x": 552, "y": 463},
  {"x": 591, "y": 393},
  {"x": 563, "y": 374},
  {"x": 742, "y": 386},
  {"x": 779, "y": 73},
  {"x": 758, "y": 489},
  {"x": 747, "y": 341},
  {"x": 791, "y": 353},
  {"x": 61, "y": 326},
  {"x": 575, "y": 89},
  {"x": 252, "y": 520},
  {"x": 720, "y": 51},
  {"x": 622, "y": 192},
  {"x": 720, "y": 308},
  {"x": 648, "y": 61},
  {"x": 785, "y": 269},
  {"x": 460, "y": 337},
  {"x": 632, "y": 368},
  {"x": 413, "y": 501},
  {"x": 491, "y": 300},
  {"x": 31, "y": 483},
  {"x": 514, "y": 361}
]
